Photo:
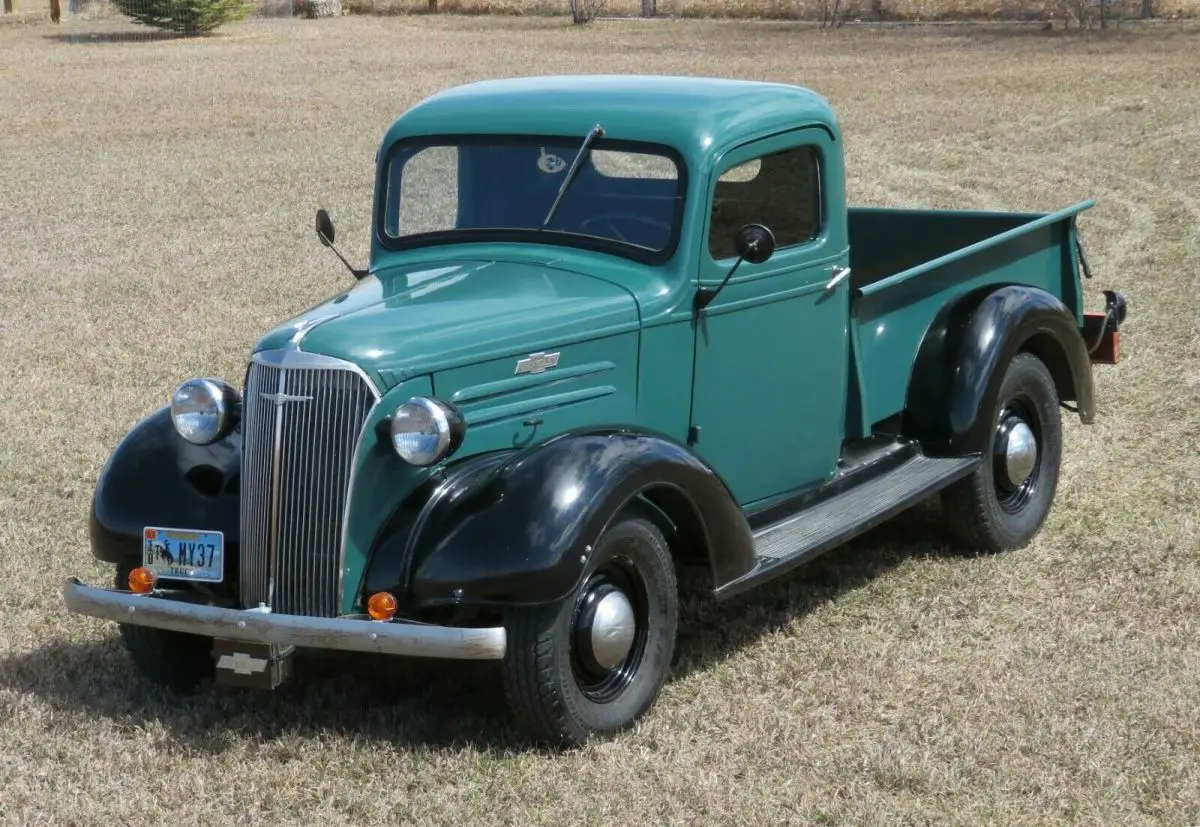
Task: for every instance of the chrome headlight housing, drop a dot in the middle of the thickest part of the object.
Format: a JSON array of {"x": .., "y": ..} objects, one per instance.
[
  {"x": 425, "y": 431},
  {"x": 205, "y": 410}
]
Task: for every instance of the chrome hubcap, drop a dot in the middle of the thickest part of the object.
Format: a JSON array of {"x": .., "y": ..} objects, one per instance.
[
  {"x": 609, "y": 630},
  {"x": 1016, "y": 451},
  {"x": 608, "y": 627}
]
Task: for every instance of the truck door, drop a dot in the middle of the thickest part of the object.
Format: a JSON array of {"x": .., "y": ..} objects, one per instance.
[{"x": 769, "y": 389}]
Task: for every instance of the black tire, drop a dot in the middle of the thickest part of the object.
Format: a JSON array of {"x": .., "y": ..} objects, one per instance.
[
  {"x": 984, "y": 509},
  {"x": 177, "y": 661},
  {"x": 552, "y": 690}
]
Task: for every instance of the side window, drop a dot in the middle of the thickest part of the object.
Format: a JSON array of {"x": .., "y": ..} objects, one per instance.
[{"x": 781, "y": 190}]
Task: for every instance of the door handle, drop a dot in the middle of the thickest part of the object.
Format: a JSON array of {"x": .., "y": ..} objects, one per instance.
[{"x": 840, "y": 274}]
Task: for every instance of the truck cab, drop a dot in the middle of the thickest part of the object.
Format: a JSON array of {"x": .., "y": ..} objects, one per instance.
[{"x": 611, "y": 327}]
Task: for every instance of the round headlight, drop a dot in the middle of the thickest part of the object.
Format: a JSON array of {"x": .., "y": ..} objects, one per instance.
[
  {"x": 425, "y": 431},
  {"x": 204, "y": 410}
]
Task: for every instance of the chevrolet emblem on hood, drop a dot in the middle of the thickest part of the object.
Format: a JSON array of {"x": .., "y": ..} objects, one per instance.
[{"x": 537, "y": 362}]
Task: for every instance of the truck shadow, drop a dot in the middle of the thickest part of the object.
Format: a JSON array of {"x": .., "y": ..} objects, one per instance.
[
  {"x": 448, "y": 704},
  {"x": 709, "y": 631}
]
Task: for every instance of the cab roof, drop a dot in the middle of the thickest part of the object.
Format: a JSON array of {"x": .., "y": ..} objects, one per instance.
[{"x": 699, "y": 117}]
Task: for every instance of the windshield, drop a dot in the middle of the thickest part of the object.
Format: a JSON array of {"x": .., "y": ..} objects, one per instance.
[{"x": 626, "y": 198}]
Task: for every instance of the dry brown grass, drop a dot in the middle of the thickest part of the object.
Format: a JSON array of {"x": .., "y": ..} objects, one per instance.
[{"x": 158, "y": 201}]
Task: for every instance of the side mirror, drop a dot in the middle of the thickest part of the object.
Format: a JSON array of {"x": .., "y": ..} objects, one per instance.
[
  {"x": 325, "y": 234},
  {"x": 755, "y": 243},
  {"x": 325, "y": 228}
]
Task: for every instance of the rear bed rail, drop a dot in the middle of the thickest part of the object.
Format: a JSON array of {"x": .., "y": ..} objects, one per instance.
[{"x": 972, "y": 249}]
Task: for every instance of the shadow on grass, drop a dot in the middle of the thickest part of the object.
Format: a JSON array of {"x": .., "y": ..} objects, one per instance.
[
  {"x": 427, "y": 703},
  {"x": 709, "y": 631},
  {"x": 371, "y": 697}
]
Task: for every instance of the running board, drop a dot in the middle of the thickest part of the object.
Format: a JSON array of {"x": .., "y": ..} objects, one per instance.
[{"x": 783, "y": 545}]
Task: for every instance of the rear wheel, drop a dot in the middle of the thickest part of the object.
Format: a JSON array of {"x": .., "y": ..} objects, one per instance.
[
  {"x": 175, "y": 660},
  {"x": 1004, "y": 502},
  {"x": 595, "y": 663}
]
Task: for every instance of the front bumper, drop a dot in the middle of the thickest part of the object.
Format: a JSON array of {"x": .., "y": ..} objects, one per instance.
[{"x": 382, "y": 637}]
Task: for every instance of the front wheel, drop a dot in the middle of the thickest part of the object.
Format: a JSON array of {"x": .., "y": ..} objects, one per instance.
[
  {"x": 1004, "y": 502},
  {"x": 595, "y": 663},
  {"x": 177, "y": 661}
]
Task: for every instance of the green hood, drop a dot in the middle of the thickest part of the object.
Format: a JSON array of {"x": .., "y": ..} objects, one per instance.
[{"x": 407, "y": 320}]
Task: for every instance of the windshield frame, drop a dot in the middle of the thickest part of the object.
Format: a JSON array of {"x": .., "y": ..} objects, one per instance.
[{"x": 531, "y": 235}]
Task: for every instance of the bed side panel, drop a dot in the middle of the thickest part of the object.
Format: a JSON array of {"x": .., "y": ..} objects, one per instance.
[{"x": 890, "y": 323}]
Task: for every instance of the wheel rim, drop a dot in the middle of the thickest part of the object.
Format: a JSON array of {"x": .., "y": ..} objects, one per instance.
[
  {"x": 609, "y": 630},
  {"x": 1016, "y": 455}
]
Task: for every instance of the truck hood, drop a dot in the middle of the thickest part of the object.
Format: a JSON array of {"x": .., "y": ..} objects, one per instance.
[{"x": 407, "y": 320}]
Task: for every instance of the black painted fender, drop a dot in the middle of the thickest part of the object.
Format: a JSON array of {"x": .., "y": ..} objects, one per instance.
[
  {"x": 155, "y": 477},
  {"x": 517, "y": 528},
  {"x": 960, "y": 363}
]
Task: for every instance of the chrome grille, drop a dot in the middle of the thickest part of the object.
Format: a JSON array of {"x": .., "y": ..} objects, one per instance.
[{"x": 301, "y": 419}]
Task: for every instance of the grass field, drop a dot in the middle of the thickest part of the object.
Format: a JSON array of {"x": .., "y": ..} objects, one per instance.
[{"x": 157, "y": 212}]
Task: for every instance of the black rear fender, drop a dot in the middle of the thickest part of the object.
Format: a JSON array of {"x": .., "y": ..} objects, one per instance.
[
  {"x": 956, "y": 375},
  {"x": 517, "y": 528}
]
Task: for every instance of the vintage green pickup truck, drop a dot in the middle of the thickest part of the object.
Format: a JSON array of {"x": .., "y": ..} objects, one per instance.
[{"x": 611, "y": 327}]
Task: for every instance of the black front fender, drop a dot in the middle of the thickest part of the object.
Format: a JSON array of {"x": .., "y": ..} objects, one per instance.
[
  {"x": 960, "y": 364},
  {"x": 518, "y": 528},
  {"x": 154, "y": 477}
]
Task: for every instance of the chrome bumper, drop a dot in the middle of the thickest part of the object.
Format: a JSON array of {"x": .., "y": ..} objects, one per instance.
[{"x": 388, "y": 638}]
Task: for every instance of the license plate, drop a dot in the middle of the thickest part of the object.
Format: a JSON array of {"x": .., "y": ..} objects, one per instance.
[{"x": 184, "y": 554}]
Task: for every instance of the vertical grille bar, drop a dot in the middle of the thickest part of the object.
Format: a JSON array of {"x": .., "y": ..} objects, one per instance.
[
  {"x": 258, "y": 437},
  {"x": 321, "y": 458},
  {"x": 328, "y": 450},
  {"x": 319, "y": 412},
  {"x": 305, "y": 546}
]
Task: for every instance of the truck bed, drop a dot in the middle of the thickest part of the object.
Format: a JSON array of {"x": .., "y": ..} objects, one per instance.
[{"x": 906, "y": 264}]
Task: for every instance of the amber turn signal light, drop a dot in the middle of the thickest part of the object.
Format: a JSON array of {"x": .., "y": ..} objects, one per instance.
[
  {"x": 381, "y": 606},
  {"x": 141, "y": 580}
]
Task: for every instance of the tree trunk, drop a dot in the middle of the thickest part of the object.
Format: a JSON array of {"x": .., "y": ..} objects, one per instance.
[
  {"x": 324, "y": 8},
  {"x": 647, "y": 8},
  {"x": 8, "y": 6},
  {"x": 1147, "y": 9}
]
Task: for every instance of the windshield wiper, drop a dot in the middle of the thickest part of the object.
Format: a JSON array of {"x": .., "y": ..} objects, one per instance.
[{"x": 595, "y": 132}]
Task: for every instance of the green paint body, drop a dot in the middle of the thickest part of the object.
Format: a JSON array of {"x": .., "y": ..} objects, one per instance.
[{"x": 776, "y": 372}]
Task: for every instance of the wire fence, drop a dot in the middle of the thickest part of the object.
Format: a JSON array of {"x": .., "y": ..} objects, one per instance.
[
  {"x": 833, "y": 12},
  {"x": 195, "y": 17}
]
